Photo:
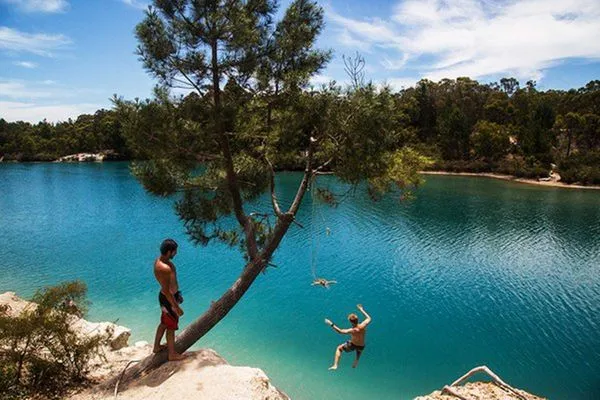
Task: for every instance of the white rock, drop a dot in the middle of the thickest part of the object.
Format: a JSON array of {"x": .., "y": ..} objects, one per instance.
[{"x": 119, "y": 334}]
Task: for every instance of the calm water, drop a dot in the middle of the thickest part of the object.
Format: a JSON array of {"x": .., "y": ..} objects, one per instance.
[{"x": 472, "y": 272}]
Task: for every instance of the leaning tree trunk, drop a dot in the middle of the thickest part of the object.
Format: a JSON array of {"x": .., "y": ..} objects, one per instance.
[
  {"x": 220, "y": 308},
  {"x": 193, "y": 332}
]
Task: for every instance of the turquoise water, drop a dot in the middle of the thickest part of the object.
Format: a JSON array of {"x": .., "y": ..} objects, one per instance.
[{"x": 474, "y": 271}]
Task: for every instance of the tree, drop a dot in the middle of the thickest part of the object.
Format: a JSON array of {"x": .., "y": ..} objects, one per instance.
[
  {"x": 591, "y": 132},
  {"x": 454, "y": 134},
  {"x": 490, "y": 140},
  {"x": 570, "y": 126},
  {"x": 538, "y": 133},
  {"x": 236, "y": 133},
  {"x": 427, "y": 113},
  {"x": 509, "y": 85}
]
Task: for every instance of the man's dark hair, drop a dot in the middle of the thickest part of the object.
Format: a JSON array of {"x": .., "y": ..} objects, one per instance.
[{"x": 168, "y": 245}]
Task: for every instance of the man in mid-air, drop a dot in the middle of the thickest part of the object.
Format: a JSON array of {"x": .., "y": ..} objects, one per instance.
[
  {"x": 169, "y": 299},
  {"x": 357, "y": 337}
]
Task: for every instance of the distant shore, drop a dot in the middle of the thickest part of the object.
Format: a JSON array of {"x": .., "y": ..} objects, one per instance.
[{"x": 513, "y": 179}]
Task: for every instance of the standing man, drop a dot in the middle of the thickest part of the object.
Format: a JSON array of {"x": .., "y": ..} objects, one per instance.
[
  {"x": 169, "y": 299},
  {"x": 357, "y": 337}
]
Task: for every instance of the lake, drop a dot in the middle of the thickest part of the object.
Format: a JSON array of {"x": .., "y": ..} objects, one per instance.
[{"x": 472, "y": 271}]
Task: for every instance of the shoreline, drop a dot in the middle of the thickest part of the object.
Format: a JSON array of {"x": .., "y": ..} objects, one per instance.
[
  {"x": 492, "y": 175},
  {"x": 512, "y": 178}
]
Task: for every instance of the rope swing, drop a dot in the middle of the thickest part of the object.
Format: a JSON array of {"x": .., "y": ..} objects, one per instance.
[{"x": 317, "y": 281}]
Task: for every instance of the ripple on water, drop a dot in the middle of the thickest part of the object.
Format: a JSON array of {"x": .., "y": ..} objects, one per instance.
[{"x": 471, "y": 272}]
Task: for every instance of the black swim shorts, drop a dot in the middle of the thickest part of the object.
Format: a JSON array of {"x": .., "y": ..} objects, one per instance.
[{"x": 349, "y": 347}]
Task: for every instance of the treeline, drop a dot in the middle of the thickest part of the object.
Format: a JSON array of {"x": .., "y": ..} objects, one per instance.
[
  {"x": 461, "y": 124},
  {"x": 45, "y": 141},
  {"x": 502, "y": 127}
]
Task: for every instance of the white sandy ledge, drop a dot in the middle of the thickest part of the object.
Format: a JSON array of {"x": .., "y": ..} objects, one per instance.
[{"x": 202, "y": 375}]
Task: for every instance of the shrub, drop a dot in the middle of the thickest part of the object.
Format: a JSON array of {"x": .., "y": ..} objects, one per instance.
[{"x": 40, "y": 352}]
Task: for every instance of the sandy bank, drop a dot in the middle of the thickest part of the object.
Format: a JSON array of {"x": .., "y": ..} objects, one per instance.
[{"x": 512, "y": 179}]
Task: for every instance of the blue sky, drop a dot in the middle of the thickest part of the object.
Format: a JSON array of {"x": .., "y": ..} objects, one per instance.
[{"x": 60, "y": 58}]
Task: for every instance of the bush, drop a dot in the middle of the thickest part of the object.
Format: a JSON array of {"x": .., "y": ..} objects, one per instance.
[
  {"x": 40, "y": 353},
  {"x": 464, "y": 166},
  {"x": 530, "y": 168},
  {"x": 581, "y": 168}
]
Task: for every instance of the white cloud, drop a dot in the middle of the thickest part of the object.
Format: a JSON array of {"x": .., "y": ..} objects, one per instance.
[
  {"x": 395, "y": 64},
  {"x": 32, "y": 112},
  {"x": 372, "y": 31},
  {"x": 477, "y": 38},
  {"x": 400, "y": 83},
  {"x": 45, "y": 6},
  {"x": 26, "y": 64},
  {"x": 319, "y": 80},
  {"x": 37, "y": 43},
  {"x": 47, "y": 90},
  {"x": 141, "y": 5},
  {"x": 20, "y": 90},
  {"x": 346, "y": 39}
]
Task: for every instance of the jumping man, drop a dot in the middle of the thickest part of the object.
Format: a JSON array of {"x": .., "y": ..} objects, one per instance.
[
  {"x": 169, "y": 299},
  {"x": 357, "y": 338}
]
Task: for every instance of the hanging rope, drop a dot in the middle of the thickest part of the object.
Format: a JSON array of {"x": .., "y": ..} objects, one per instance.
[
  {"x": 313, "y": 261},
  {"x": 317, "y": 281}
]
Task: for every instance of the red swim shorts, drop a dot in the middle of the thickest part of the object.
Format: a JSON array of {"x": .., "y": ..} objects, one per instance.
[{"x": 171, "y": 322}]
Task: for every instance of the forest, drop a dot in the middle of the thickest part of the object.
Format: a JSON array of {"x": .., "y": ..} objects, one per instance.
[{"x": 461, "y": 125}]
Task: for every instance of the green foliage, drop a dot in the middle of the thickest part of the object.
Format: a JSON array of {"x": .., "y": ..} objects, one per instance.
[
  {"x": 40, "y": 353},
  {"x": 490, "y": 140},
  {"x": 44, "y": 141},
  {"x": 581, "y": 168},
  {"x": 227, "y": 136},
  {"x": 401, "y": 173}
]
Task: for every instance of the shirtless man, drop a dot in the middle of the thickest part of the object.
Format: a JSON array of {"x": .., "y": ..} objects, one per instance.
[
  {"x": 169, "y": 299},
  {"x": 357, "y": 338}
]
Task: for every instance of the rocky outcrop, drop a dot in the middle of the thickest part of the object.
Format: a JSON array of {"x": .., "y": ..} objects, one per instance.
[
  {"x": 203, "y": 374},
  {"x": 479, "y": 391},
  {"x": 495, "y": 390},
  {"x": 119, "y": 335},
  {"x": 104, "y": 155}
]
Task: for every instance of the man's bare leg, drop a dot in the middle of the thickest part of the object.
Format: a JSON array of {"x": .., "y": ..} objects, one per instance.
[
  {"x": 336, "y": 359},
  {"x": 160, "y": 331},
  {"x": 355, "y": 363},
  {"x": 173, "y": 355}
]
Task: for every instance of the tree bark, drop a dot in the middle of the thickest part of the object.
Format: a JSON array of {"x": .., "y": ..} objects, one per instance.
[{"x": 220, "y": 308}]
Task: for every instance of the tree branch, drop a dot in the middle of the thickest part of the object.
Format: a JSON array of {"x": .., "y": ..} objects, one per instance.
[
  {"x": 274, "y": 202},
  {"x": 308, "y": 174},
  {"x": 320, "y": 167}
]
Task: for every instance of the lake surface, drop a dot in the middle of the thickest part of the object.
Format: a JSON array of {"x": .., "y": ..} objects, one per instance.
[{"x": 473, "y": 271}]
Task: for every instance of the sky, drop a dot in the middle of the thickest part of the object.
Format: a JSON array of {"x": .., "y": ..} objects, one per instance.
[{"x": 62, "y": 58}]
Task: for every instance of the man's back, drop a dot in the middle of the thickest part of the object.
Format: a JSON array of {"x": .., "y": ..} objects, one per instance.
[
  {"x": 358, "y": 335},
  {"x": 165, "y": 274}
]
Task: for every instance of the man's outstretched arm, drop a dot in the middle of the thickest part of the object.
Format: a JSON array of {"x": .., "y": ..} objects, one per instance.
[
  {"x": 367, "y": 320},
  {"x": 338, "y": 330}
]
